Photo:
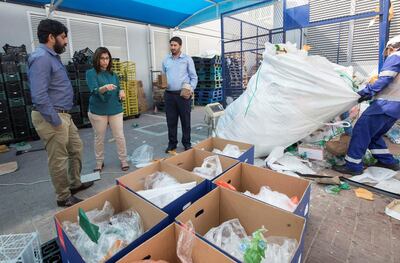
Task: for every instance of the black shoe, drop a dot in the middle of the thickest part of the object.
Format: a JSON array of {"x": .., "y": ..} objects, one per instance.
[
  {"x": 344, "y": 170},
  {"x": 393, "y": 166},
  {"x": 82, "y": 187},
  {"x": 99, "y": 169},
  {"x": 188, "y": 148},
  {"x": 70, "y": 201},
  {"x": 170, "y": 149}
]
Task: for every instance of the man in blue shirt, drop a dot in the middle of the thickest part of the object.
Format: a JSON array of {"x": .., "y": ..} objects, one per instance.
[
  {"x": 52, "y": 97},
  {"x": 182, "y": 80},
  {"x": 378, "y": 118}
]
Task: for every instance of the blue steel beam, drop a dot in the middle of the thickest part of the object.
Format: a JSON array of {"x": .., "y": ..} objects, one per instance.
[{"x": 383, "y": 29}]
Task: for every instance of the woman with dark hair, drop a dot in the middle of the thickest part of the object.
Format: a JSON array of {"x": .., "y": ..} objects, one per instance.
[{"x": 105, "y": 106}]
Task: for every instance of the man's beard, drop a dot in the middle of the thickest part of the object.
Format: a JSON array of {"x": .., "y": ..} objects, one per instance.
[{"x": 59, "y": 48}]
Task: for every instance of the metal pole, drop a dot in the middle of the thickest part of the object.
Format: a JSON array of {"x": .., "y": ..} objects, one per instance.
[
  {"x": 224, "y": 79},
  {"x": 383, "y": 28}
]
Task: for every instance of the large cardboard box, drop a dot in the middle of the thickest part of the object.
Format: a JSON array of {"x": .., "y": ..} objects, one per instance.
[
  {"x": 154, "y": 220},
  {"x": 217, "y": 143},
  {"x": 193, "y": 158},
  {"x": 246, "y": 177},
  {"x": 221, "y": 205},
  {"x": 162, "y": 81},
  {"x": 163, "y": 247},
  {"x": 134, "y": 181}
]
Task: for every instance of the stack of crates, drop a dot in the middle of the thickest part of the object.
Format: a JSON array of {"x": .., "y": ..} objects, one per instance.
[
  {"x": 209, "y": 86},
  {"x": 128, "y": 83},
  {"x": 6, "y": 132},
  {"x": 14, "y": 96},
  {"x": 233, "y": 75},
  {"x": 84, "y": 92},
  {"x": 75, "y": 112}
]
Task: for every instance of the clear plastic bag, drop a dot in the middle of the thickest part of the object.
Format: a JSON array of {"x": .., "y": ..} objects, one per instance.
[
  {"x": 210, "y": 168},
  {"x": 273, "y": 198},
  {"x": 228, "y": 236},
  {"x": 96, "y": 216},
  {"x": 142, "y": 155},
  {"x": 279, "y": 249},
  {"x": 159, "y": 179},
  {"x": 185, "y": 243},
  {"x": 115, "y": 233}
]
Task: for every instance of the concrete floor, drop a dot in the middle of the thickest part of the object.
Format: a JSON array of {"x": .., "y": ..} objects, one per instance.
[{"x": 341, "y": 228}]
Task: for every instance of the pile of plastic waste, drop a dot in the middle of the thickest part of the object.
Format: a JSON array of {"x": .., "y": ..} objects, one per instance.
[
  {"x": 231, "y": 237},
  {"x": 161, "y": 188},
  {"x": 99, "y": 234},
  {"x": 210, "y": 168}
]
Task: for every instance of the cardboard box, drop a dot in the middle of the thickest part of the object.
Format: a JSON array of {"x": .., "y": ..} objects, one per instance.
[
  {"x": 134, "y": 181},
  {"x": 193, "y": 158},
  {"x": 218, "y": 143},
  {"x": 163, "y": 247},
  {"x": 311, "y": 151},
  {"x": 154, "y": 220},
  {"x": 162, "y": 81},
  {"x": 246, "y": 177},
  {"x": 221, "y": 205}
]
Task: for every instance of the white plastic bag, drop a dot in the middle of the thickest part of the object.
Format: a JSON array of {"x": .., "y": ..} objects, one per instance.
[
  {"x": 142, "y": 155},
  {"x": 279, "y": 249},
  {"x": 274, "y": 198},
  {"x": 286, "y": 162},
  {"x": 290, "y": 96},
  {"x": 186, "y": 242},
  {"x": 229, "y": 150},
  {"x": 210, "y": 168},
  {"x": 374, "y": 175},
  {"x": 159, "y": 179}
]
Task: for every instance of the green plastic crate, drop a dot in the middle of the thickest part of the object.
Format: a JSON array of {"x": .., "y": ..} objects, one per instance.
[
  {"x": 11, "y": 77},
  {"x": 3, "y": 95}
]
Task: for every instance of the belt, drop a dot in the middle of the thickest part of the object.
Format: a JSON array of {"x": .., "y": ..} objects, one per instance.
[
  {"x": 57, "y": 110},
  {"x": 177, "y": 92}
]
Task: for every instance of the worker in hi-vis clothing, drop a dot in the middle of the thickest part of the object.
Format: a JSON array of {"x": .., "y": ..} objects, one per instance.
[{"x": 378, "y": 118}]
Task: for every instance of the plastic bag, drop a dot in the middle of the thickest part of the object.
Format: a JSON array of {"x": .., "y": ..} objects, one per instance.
[
  {"x": 159, "y": 179},
  {"x": 185, "y": 243},
  {"x": 279, "y": 249},
  {"x": 115, "y": 233},
  {"x": 374, "y": 175},
  {"x": 273, "y": 198},
  {"x": 280, "y": 161},
  {"x": 142, "y": 155},
  {"x": 291, "y": 95},
  {"x": 228, "y": 236},
  {"x": 229, "y": 150},
  {"x": 210, "y": 168},
  {"x": 105, "y": 214},
  {"x": 394, "y": 134}
]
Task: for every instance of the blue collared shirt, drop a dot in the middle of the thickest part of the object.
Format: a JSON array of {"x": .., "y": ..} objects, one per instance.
[
  {"x": 49, "y": 83},
  {"x": 179, "y": 71}
]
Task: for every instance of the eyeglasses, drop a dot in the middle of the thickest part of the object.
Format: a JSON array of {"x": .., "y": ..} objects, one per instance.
[{"x": 103, "y": 58}]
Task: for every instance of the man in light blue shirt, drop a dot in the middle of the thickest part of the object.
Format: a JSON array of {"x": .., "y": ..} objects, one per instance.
[{"x": 182, "y": 80}]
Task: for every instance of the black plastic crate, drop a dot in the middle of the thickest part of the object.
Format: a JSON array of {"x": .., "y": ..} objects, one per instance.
[
  {"x": 3, "y": 105},
  {"x": 9, "y": 68},
  {"x": 70, "y": 68},
  {"x": 33, "y": 134},
  {"x": 4, "y": 114},
  {"x": 13, "y": 86},
  {"x": 81, "y": 75},
  {"x": 11, "y": 77},
  {"x": 16, "y": 102},
  {"x": 5, "y": 126},
  {"x": 15, "y": 94},
  {"x": 28, "y": 97},
  {"x": 25, "y": 85},
  {"x": 72, "y": 75},
  {"x": 18, "y": 114},
  {"x": 83, "y": 67},
  {"x": 6, "y": 137},
  {"x": 3, "y": 95},
  {"x": 24, "y": 77},
  {"x": 1, "y": 79},
  {"x": 77, "y": 119},
  {"x": 21, "y": 131},
  {"x": 23, "y": 67}
]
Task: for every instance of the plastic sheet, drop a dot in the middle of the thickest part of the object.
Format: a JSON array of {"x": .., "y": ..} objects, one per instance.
[
  {"x": 142, "y": 155},
  {"x": 282, "y": 162},
  {"x": 231, "y": 237},
  {"x": 229, "y": 150},
  {"x": 210, "y": 168},
  {"x": 273, "y": 198},
  {"x": 162, "y": 188},
  {"x": 115, "y": 233},
  {"x": 185, "y": 243},
  {"x": 374, "y": 175}
]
